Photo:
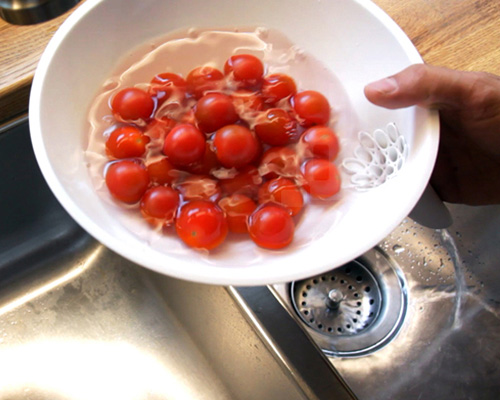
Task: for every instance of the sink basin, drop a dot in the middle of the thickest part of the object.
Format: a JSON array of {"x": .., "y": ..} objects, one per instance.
[{"x": 79, "y": 322}]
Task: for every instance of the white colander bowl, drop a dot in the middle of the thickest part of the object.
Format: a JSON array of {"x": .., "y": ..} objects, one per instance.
[{"x": 356, "y": 40}]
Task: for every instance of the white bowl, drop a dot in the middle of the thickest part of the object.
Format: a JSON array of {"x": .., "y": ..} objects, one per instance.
[{"x": 355, "y": 40}]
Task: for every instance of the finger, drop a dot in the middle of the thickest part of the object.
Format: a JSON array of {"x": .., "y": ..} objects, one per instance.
[{"x": 423, "y": 85}]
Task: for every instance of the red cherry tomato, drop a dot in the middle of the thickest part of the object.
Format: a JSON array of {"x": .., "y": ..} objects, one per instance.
[
  {"x": 312, "y": 107},
  {"x": 204, "y": 79},
  {"x": 199, "y": 187},
  {"x": 322, "y": 179},
  {"x": 271, "y": 226},
  {"x": 282, "y": 191},
  {"x": 276, "y": 87},
  {"x": 166, "y": 85},
  {"x": 159, "y": 204},
  {"x": 162, "y": 172},
  {"x": 207, "y": 164},
  {"x": 321, "y": 142},
  {"x": 279, "y": 161},
  {"x": 126, "y": 142},
  {"x": 246, "y": 181},
  {"x": 184, "y": 144},
  {"x": 213, "y": 111},
  {"x": 131, "y": 104},
  {"x": 245, "y": 68},
  {"x": 238, "y": 209},
  {"x": 127, "y": 180},
  {"x": 276, "y": 127},
  {"x": 201, "y": 224},
  {"x": 235, "y": 146}
]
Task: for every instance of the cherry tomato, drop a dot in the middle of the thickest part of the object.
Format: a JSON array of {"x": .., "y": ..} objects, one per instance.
[
  {"x": 238, "y": 209},
  {"x": 159, "y": 204},
  {"x": 207, "y": 164},
  {"x": 246, "y": 181},
  {"x": 166, "y": 85},
  {"x": 282, "y": 191},
  {"x": 235, "y": 146},
  {"x": 131, "y": 104},
  {"x": 126, "y": 142},
  {"x": 158, "y": 128},
  {"x": 312, "y": 107},
  {"x": 162, "y": 172},
  {"x": 321, "y": 142},
  {"x": 279, "y": 161},
  {"x": 322, "y": 179},
  {"x": 204, "y": 79},
  {"x": 245, "y": 68},
  {"x": 127, "y": 180},
  {"x": 276, "y": 127},
  {"x": 201, "y": 224},
  {"x": 199, "y": 187},
  {"x": 276, "y": 87},
  {"x": 213, "y": 111},
  {"x": 184, "y": 144},
  {"x": 271, "y": 226}
]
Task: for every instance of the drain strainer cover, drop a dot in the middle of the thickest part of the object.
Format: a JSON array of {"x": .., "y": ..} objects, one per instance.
[
  {"x": 344, "y": 301},
  {"x": 355, "y": 309}
]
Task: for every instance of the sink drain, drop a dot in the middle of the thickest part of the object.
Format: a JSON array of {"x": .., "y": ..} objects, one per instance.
[
  {"x": 342, "y": 302},
  {"x": 354, "y": 309}
]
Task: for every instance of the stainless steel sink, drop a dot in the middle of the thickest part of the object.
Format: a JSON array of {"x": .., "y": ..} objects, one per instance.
[
  {"x": 417, "y": 317},
  {"x": 445, "y": 345},
  {"x": 79, "y": 322}
]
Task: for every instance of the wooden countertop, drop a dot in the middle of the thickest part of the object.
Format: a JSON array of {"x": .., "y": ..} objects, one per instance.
[
  {"x": 462, "y": 34},
  {"x": 22, "y": 47}
]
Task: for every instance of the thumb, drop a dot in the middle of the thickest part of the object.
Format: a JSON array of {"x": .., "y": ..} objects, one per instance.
[{"x": 423, "y": 85}]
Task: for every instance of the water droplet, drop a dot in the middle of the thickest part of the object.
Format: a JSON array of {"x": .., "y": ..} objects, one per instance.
[
  {"x": 398, "y": 249},
  {"x": 193, "y": 33},
  {"x": 110, "y": 84}
]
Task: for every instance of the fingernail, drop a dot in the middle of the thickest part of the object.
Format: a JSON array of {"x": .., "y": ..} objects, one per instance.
[{"x": 384, "y": 86}]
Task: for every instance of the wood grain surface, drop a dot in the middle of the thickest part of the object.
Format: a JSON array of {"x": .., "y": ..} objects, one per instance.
[
  {"x": 20, "y": 50},
  {"x": 460, "y": 34}
]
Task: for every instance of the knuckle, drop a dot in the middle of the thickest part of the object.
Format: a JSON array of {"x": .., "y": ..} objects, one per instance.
[
  {"x": 484, "y": 95},
  {"x": 420, "y": 71}
]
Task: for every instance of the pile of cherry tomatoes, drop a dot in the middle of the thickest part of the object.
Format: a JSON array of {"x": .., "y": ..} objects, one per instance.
[{"x": 221, "y": 151}]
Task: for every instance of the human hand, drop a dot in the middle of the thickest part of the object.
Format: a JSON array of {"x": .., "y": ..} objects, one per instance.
[{"x": 467, "y": 168}]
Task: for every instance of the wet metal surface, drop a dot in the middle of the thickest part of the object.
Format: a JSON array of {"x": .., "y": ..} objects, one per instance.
[{"x": 448, "y": 346}]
